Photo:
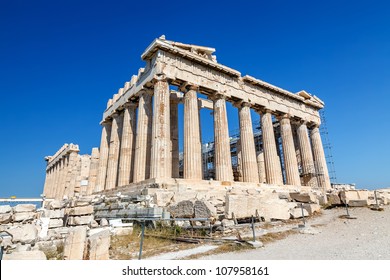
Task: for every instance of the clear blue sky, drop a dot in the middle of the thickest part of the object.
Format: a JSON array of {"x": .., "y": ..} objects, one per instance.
[{"x": 61, "y": 60}]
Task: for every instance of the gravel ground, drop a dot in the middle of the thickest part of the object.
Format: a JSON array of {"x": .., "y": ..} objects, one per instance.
[{"x": 365, "y": 238}]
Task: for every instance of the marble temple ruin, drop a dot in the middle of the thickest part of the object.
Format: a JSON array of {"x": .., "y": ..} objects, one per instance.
[{"x": 139, "y": 144}]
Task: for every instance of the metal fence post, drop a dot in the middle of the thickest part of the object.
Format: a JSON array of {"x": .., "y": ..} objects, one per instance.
[{"x": 142, "y": 239}]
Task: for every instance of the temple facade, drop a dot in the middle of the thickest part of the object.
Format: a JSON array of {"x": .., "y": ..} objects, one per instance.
[{"x": 140, "y": 141}]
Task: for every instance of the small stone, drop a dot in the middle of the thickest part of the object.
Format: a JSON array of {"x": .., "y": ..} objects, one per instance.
[
  {"x": 5, "y": 218},
  {"x": 94, "y": 224},
  {"x": 104, "y": 222},
  {"x": 227, "y": 223}
]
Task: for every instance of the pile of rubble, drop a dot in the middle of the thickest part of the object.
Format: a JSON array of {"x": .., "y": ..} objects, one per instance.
[{"x": 81, "y": 228}]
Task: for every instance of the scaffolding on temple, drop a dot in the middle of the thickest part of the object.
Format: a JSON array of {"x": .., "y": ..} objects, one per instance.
[{"x": 327, "y": 147}]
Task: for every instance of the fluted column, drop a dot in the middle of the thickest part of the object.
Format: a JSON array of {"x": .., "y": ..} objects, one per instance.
[
  {"x": 248, "y": 151},
  {"x": 127, "y": 147},
  {"x": 59, "y": 190},
  {"x": 103, "y": 160},
  {"x": 192, "y": 155},
  {"x": 290, "y": 159},
  {"x": 320, "y": 160},
  {"x": 222, "y": 156},
  {"x": 47, "y": 180},
  {"x": 93, "y": 170},
  {"x": 261, "y": 167},
  {"x": 308, "y": 169},
  {"x": 271, "y": 159},
  {"x": 174, "y": 138},
  {"x": 161, "y": 161},
  {"x": 143, "y": 138},
  {"x": 113, "y": 154},
  {"x": 73, "y": 159},
  {"x": 64, "y": 175}
]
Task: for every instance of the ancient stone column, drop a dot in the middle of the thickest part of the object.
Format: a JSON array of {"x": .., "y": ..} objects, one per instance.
[
  {"x": 238, "y": 175},
  {"x": 320, "y": 160},
  {"x": 103, "y": 160},
  {"x": 73, "y": 159},
  {"x": 59, "y": 179},
  {"x": 222, "y": 157},
  {"x": 271, "y": 160},
  {"x": 93, "y": 171},
  {"x": 290, "y": 159},
  {"x": 55, "y": 179},
  {"x": 126, "y": 164},
  {"x": 248, "y": 151},
  {"x": 174, "y": 138},
  {"x": 143, "y": 138},
  {"x": 64, "y": 172},
  {"x": 161, "y": 161},
  {"x": 192, "y": 154},
  {"x": 261, "y": 167},
  {"x": 308, "y": 169},
  {"x": 113, "y": 154}
]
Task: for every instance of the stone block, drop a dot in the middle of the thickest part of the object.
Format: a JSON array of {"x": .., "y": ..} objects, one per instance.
[
  {"x": 81, "y": 210},
  {"x": 358, "y": 203},
  {"x": 80, "y": 220},
  {"x": 297, "y": 213},
  {"x": 203, "y": 209},
  {"x": 58, "y": 233},
  {"x": 304, "y": 197},
  {"x": 184, "y": 209},
  {"x": 98, "y": 246},
  {"x": 312, "y": 208},
  {"x": 27, "y": 255},
  {"x": 227, "y": 223},
  {"x": 55, "y": 223},
  {"x": 103, "y": 222},
  {"x": 53, "y": 214},
  {"x": 5, "y": 218},
  {"x": 75, "y": 243},
  {"x": 354, "y": 195},
  {"x": 26, "y": 233},
  {"x": 24, "y": 216},
  {"x": 122, "y": 231},
  {"x": 333, "y": 199},
  {"x": 5, "y": 209},
  {"x": 24, "y": 208},
  {"x": 163, "y": 198},
  {"x": 56, "y": 204},
  {"x": 268, "y": 205}
]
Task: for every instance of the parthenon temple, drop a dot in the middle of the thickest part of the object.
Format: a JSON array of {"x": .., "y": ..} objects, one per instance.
[{"x": 140, "y": 147}]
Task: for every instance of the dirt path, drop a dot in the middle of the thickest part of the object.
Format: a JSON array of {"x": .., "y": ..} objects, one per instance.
[{"x": 366, "y": 238}]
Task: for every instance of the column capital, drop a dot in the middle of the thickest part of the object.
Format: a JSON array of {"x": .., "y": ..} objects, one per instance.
[
  {"x": 185, "y": 87},
  {"x": 283, "y": 116},
  {"x": 217, "y": 95},
  {"x": 160, "y": 78},
  {"x": 241, "y": 104},
  {"x": 130, "y": 104},
  {"x": 264, "y": 110},
  {"x": 312, "y": 125}
]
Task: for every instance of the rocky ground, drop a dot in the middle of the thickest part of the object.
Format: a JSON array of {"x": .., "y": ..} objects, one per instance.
[{"x": 329, "y": 237}]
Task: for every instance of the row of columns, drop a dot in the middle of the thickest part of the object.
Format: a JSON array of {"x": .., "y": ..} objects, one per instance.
[
  {"x": 61, "y": 177},
  {"x": 133, "y": 149}
]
